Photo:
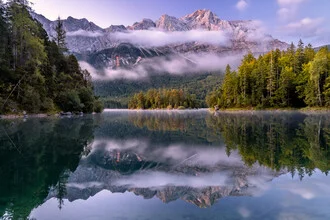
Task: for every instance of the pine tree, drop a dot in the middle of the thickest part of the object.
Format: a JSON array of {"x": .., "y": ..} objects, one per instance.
[
  {"x": 300, "y": 56},
  {"x": 4, "y": 34},
  {"x": 60, "y": 35}
]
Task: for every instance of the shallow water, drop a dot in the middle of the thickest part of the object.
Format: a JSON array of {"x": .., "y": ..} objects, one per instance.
[{"x": 166, "y": 165}]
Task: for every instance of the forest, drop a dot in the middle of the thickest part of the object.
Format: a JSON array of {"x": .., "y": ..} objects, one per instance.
[
  {"x": 37, "y": 73},
  {"x": 163, "y": 98},
  {"x": 295, "y": 78},
  {"x": 116, "y": 94}
]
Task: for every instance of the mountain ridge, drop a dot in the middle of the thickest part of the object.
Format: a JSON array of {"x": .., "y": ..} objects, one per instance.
[
  {"x": 203, "y": 20},
  {"x": 146, "y": 44}
]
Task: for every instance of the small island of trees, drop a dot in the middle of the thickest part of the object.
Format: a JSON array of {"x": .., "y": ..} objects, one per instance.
[{"x": 162, "y": 99}]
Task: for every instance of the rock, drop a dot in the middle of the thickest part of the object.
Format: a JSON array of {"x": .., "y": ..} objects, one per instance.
[{"x": 65, "y": 113}]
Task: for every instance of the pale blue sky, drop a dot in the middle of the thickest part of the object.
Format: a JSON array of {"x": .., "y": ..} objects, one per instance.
[{"x": 287, "y": 20}]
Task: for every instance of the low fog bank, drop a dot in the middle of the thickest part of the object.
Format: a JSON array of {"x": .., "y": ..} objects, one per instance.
[{"x": 174, "y": 65}]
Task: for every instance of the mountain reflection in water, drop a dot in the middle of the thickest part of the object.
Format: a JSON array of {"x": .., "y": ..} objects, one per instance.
[{"x": 191, "y": 156}]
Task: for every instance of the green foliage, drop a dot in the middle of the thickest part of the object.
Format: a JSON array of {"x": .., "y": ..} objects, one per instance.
[
  {"x": 98, "y": 106},
  {"x": 117, "y": 93},
  {"x": 31, "y": 100},
  {"x": 87, "y": 98},
  {"x": 162, "y": 98},
  {"x": 295, "y": 78},
  {"x": 60, "y": 35},
  {"x": 70, "y": 101},
  {"x": 35, "y": 74}
]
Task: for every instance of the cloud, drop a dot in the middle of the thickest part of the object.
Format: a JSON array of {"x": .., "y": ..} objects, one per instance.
[
  {"x": 176, "y": 65},
  {"x": 174, "y": 154},
  {"x": 289, "y": 2},
  {"x": 306, "y": 27},
  {"x": 284, "y": 14},
  {"x": 241, "y": 5},
  {"x": 255, "y": 31},
  {"x": 85, "y": 185},
  {"x": 162, "y": 179},
  {"x": 244, "y": 212},
  {"x": 84, "y": 33},
  {"x": 288, "y": 9},
  {"x": 295, "y": 26},
  {"x": 316, "y": 187},
  {"x": 157, "y": 38}
]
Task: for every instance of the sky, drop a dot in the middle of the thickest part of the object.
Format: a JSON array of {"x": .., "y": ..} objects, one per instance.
[{"x": 287, "y": 20}]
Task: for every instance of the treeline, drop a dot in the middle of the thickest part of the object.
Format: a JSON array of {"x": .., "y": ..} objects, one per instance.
[
  {"x": 116, "y": 93},
  {"x": 36, "y": 75},
  {"x": 163, "y": 98},
  {"x": 296, "y": 77}
]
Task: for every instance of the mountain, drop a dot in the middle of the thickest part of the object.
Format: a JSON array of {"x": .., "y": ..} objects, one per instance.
[
  {"x": 170, "y": 23},
  {"x": 318, "y": 48},
  {"x": 204, "y": 19},
  {"x": 70, "y": 24},
  {"x": 145, "y": 24},
  {"x": 84, "y": 37},
  {"x": 161, "y": 53},
  {"x": 116, "y": 28}
]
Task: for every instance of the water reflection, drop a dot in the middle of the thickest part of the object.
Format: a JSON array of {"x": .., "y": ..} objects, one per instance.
[
  {"x": 297, "y": 142},
  {"x": 197, "y": 174},
  {"x": 34, "y": 157},
  {"x": 169, "y": 157}
]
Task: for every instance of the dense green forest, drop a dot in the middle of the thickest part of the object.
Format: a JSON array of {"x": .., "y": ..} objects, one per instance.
[
  {"x": 163, "y": 98},
  {"x": 117, "y": 93},
  {"x": 37, "y": 75},
  {"x": 295, "y": 78}
]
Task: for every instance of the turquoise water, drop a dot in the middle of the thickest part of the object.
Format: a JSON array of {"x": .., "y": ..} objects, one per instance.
[{"x": 166, "y": 165}]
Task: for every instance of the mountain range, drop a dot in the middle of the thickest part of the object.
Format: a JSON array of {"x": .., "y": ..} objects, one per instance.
[{"x": 197, "y": 33}]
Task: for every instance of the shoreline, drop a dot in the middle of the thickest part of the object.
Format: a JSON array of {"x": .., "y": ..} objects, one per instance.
[
  {"x": 41, "y": 115},
  {"x": 13, "y": 116},
  {"x": 211, "y": 110},
  {"x": 306, "y": 110}
]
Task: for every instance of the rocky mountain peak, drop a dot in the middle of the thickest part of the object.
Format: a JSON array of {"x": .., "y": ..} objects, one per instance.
[
  {"x": 202, "y": 19},
  {"x": 73, "y": 24},
  {"x": 115, "y": 28},
  {"x": 145, "y": 24},
  {"x": 88, "y": 37},
  {"x": 170, "y": 23}
]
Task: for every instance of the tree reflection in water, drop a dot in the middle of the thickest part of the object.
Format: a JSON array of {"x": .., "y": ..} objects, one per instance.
[{"x": 200, "y": 156}]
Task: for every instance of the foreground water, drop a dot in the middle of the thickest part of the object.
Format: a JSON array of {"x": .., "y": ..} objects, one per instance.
[{"x": 166, "y": 165}]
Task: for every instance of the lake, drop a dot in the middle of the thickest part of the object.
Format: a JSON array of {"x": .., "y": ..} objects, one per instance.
[{"x": 189, "y": 164}]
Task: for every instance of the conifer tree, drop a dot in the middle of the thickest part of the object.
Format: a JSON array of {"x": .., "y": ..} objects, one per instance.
[{"x": 60, "y": 35}]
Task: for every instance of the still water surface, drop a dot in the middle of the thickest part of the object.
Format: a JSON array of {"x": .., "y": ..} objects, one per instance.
[{"x": 166, "y": 165}]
